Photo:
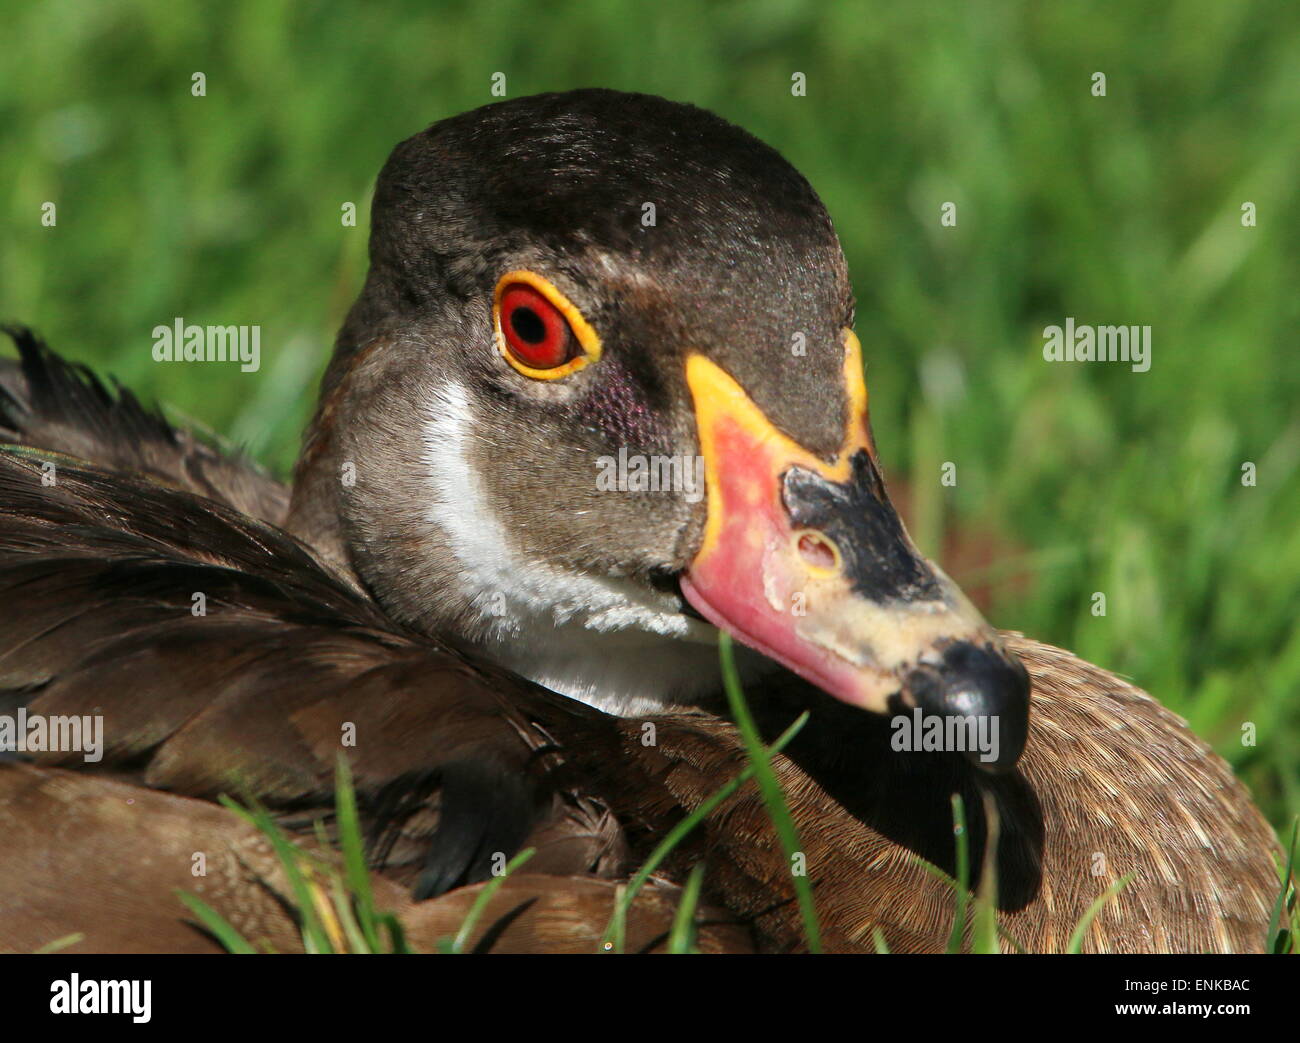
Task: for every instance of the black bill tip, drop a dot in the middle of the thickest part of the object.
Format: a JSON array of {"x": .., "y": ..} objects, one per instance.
[{"x": 985, "y": 692}]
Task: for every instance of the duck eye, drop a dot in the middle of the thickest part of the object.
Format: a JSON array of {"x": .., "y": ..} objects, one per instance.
[
  {"x": 535, "y": 331},
  {"x": 540, "y": 333}
]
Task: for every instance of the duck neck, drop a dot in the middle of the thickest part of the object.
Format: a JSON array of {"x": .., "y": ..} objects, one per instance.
[{"x": 449, "y": 570}]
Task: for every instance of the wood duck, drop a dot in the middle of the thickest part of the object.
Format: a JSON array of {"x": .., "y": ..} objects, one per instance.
[{"x": 599, "y": 400}]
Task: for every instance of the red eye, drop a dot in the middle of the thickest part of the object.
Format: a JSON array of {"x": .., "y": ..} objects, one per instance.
[{"x": 535, "y": 332}]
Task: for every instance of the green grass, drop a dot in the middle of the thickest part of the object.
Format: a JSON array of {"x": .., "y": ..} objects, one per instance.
[
  {"x": 1120, "y": 209},
  {"x": 613, "y": 940},
  {"x": 770, "y": 788},
  {"x": 332, "y": 900}
]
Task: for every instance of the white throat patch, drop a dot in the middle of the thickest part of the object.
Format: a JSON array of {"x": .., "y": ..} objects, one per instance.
[{"x": 605, "y": 641}]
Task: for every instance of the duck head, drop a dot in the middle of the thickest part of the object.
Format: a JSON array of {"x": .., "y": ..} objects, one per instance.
[{"x": 600, "y": 396}]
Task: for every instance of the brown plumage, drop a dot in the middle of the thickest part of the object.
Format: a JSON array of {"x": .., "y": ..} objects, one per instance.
[
  {"x": 142, "y": 844},
  {"x": 96, "y": 618},
  {"x": 356, "y": 613}
]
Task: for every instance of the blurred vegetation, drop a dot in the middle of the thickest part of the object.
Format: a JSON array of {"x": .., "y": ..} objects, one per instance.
[{"x": 1123, "y": 209}]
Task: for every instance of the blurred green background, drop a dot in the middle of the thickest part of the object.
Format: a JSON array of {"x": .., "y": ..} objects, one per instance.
[{"x": 1123, "y": 209}]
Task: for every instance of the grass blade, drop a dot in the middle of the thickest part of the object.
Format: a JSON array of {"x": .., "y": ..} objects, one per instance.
[
  {"x": 485, "y": 896},
  {"x": 682, "y": 938},
  {"x": 961, "y": 838},
  {"x": 770, "y": 789},
  {"x": 675, "y": 836},
  {"x": 984, "y": 931},
  {"x": 354, "y": 853},
  {"x": 1075, "y": 944},
  {"x": 1278, "y": 940},
  {"x": 940, "y": 875},
  {"x": 316, "y": 938},
  {"x": 217, "y": 925},
  {"x": 59, "y": 944}
]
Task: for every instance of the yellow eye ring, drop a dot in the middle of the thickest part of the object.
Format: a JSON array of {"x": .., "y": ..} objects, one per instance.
[{"x": 538, "y": 330}]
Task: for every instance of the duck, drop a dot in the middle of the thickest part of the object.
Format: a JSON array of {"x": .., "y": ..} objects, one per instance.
[{"x": 598, "y": 403}]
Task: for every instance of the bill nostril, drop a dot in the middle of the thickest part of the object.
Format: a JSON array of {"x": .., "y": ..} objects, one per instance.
[{"x": 818, "y": 551}]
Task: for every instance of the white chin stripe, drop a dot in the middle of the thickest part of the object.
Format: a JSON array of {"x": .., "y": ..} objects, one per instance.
[{"x": 608, "y": 642}]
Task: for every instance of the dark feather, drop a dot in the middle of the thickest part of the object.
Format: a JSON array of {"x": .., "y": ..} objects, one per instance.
[
  {"x": 57, "y": 405},
  {"x": 457, "y": 760}
]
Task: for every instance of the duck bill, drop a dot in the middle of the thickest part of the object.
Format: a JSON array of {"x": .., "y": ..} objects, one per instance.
[{"x": 807, "y": 562}]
